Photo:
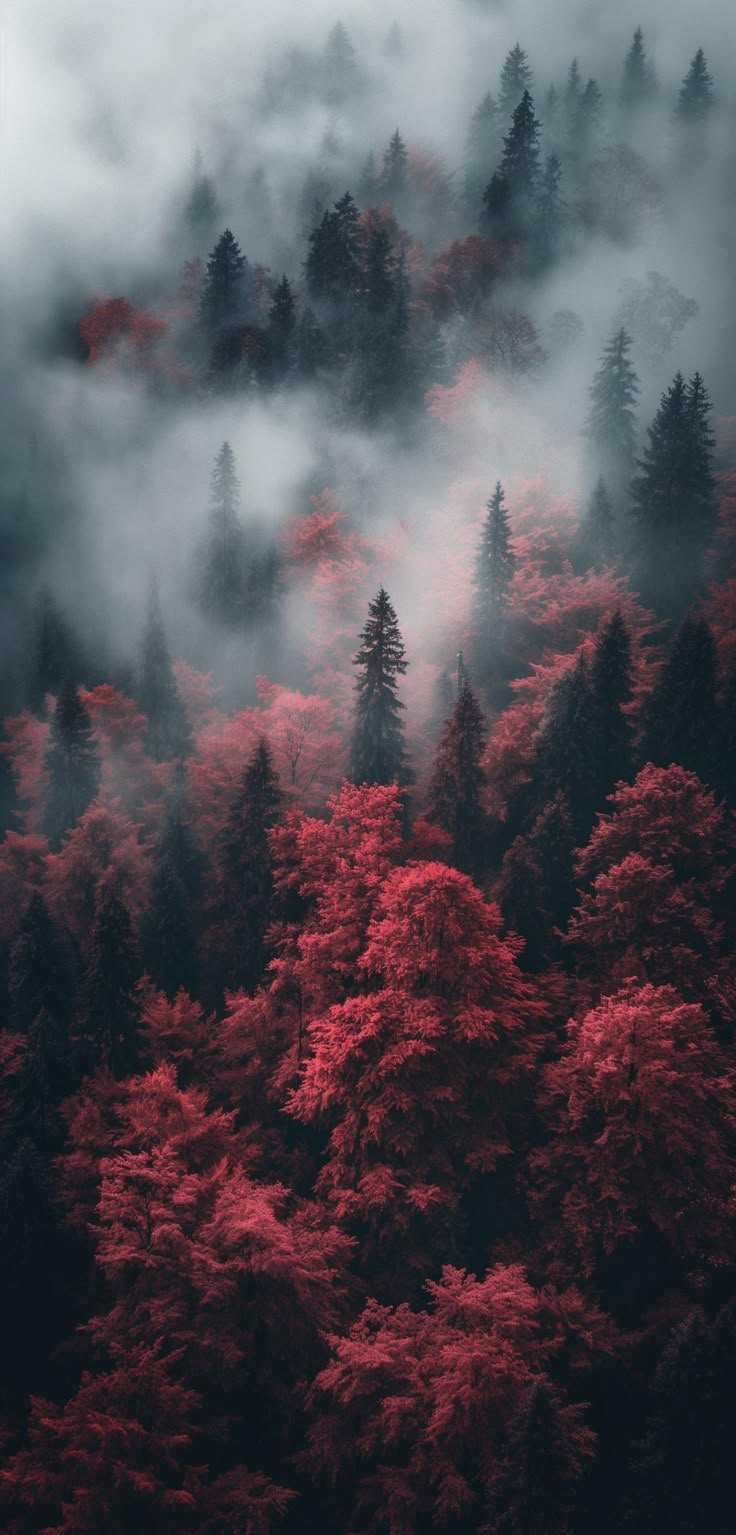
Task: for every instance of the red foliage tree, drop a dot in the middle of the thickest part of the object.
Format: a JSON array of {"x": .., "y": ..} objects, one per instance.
[{"x": 116, "y": 332}]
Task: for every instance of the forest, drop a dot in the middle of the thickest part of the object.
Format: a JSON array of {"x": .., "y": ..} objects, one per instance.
[{"x": 367, "y": 771}]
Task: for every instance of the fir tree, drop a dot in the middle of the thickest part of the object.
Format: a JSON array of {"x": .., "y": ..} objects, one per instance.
[
  {"x": 168, "y": 734},
  {"x": 72, "y": 763},
  {"x": 108, "y": 1025},
  {"x": 394, "y": 168},
  {"x": 332, "y": 268},
  {"x": 311, "y": 351},
  {"x": 566, "y": 751},
  {"x": 226, "y": 293},
  {"x": 550, "y": 210},
  {"x": 384, "y": 372},
  {"x": 520, "y": 894},
  {"x": 281, "y": 326},
  {"x": 494, "y": 570},
  {"x": 681, "y": 720},
  {"x": 637, "y": 83},
  {"x": 368, "y": 183},
  {"x": 673, "y": 495},
  {"x": 378, "y": 754},
  {"x": 544, "y": 1460},
  {"x": 696, "y": 99},
  {"x": 168, "y": 937},
  {"x": 223, "y": 586},
  {"x": 611, "y": 424},
  {"x": 39, "y": 974},
  {"x": 246, "y": 872},
  {"x": 516, "y": 79},
  {"x": 520, "y": 160},
  {"x": 456, "y": 786},
  {"x": 611, "y": 677},
  {"x": 552, "y": 845},
  {"x": 727, "y": 776},
  {"x": 178, "y": 842},
  {"x": 55, "y": 651},
  {"x": 597, "y": 533},
  {"x": 45, "y": 1079},
  {"x": 341, "y": 72}
]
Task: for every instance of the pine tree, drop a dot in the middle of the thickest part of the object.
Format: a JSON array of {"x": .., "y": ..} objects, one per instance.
[
  {"x": 494, "y": 570},
  {"x": 520, "y": 159},
  {"x": 281, "y": 326},
  {"x": 520, "y": 894},
  {"x": 394, "y": 168},
  {"x": 340, "y": 69},
  {"x": 45, "y": 1079},
  {"x": 597, "y": 533},
  {"x": 383, "y": 366},
  {"x": 378, "y": 753},
  {"x": 246, "y": 872},
  {"x": 566, "y": 753},
  {"x": 681, "y": 720},
  {"x": 516, "y": 79},
  {"x": 72, "y": 763},
  {"x": 456, "y": 787},
  {"x": 108, "y": 1025},
  {"x": 168, "y": 936},
  {"x": 550, "y": 210},
  {"x": 223, "y": 584},
  {"x": 611, "y": 677},
  {"x": 55, "y": 651},
  {"x": 727, "y": 776},
  {"x": 39, "y": 973},
  {"x": 611, "y": 424},
  {"x": 696, "y": 99},
  {"x": 673, "y": 496},
  {"x": 481, "y": 149},
  {"x": 552, "y": 845},
  {"x": 168, "y": 734},
  {"x": 226, "y": 293},
  {"x": 178, "y": 842},
  {"x": 637, "y": 83}
]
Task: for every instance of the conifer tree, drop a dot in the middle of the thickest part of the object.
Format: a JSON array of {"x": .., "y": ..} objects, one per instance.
[
  {"x": 39, "y": 973},
  {"x": 108, "y": 1025},
  {"x": 520, "y": 160},
  {"x": 169, "y": 733},
  {"x": 55, "y": 651},
  {"x": 494, "y": 570},
  {"x": 72, "y": 763},
  {"x": 178, "y": 842},
  {"x": 456, "y": 786},
  {"x": 246, "y": 880},
  {"x": 281, "y": 326},
  {"x": 696, "y": 99},
  {"x": 520, "y": 894},
  {"x": 550, "y": 209},
  {"x": 393, "y": 170},
  {"x": 341, "y": 72},
  {"x": 552, "y": 844},
  {"x": 611, "y": 677},
  {"x": 681, "y": 722},
  {"x": 223, "y": 585},
  {"x": 637, "y": 83},
  {"x": 168, "y": 936},
  {"x": 332, "y": 267},
  {"x": 516, "y": 78},
  {"x": 611, "y": 423},
  {"x": 378, "y": 753},
  {"x": 201, "y": 206},
  {"x": 226, "y": 293},
  {"x": 566, "y": 751},
  {"x": 673, "y": 496},
  {"x": 597, "y": 533},
  {"x": 481, "y": 149}
]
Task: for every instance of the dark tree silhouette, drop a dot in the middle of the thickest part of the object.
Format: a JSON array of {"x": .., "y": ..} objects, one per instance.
[
  {"x": 611, "y": 427},
  {"x": 494, "y": 569},
  {"x": 456, "y": 787},
  {"x": 681, "y": 718},
  {"x": 673, "y": 496},
  {"x": 168, "y": 734},
  {"x": 39, "y": 974},
  {"x": 246, "y": 879},
  {"x": 696, "y": 99},
  {"x": 516, "y": 78},
  {"x": 107, "y": 1029},
  {"x": 72, "y": 764},
  {"x": 226, "y": 293},
  {"x": 638, "y": 80},
  {"x": 223, "y": 576},
  {"x": 392, "y": 181},
  {"x": 378, "y": 753}
]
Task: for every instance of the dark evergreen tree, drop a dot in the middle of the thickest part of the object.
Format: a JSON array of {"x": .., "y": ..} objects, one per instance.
[
  {"x": 673, "y": 496},
  {"x": 520, "y": 160},
  {"x": 223, "y": 576},
  {"x": 383, "y": 364},
  {"x": 281, "y": 326},
  {"x": 516, "y": 79},
  {"x": 550, "y": 210},
  {"x": 392, "y": 182},
  {"x": 696, "y": 99},
  {"x": 368, "y": 185},
  {"x": 169, "y": 732},
  {"x": 31, "y": 1257},
  {"x": 55, "y": 651},
  {"x": 589, "y": 114},
  {"x": 378, "y": 753},
  {"x": 566, "y": 751},
  {"x": 108, "y": 1026},
  {"x": 496, "y": 209},
  {"x": 455, "y": 798},
  {"x": 536, "y": 1486},
  {"x": 45, "y": 1079},
  {"x": 201, "y": 205},
  {"x": 681, "y": 719},
  {"x": 611, "y": 424},
  {"x": 611, "y": 677},
  {"x": 597, "y": 541},
  {"x": 494, "y": 570},
  {"x": 332, "y": 267},
  {"x": 246, "y": 873},
  {"x": 638, "y": 81},
  {"x": 72, "y": 763},
  {"x": 727, "y": 777},
  {"x": 552, "y": 845},
  {"x": 481, "y": 150},
  {"x": 168, "y": 935},
  {"x": 520, "y": 894},
  {"x": 178, "y": 841},
  {"x": 311, "y": 351},
  {"x": 226, "y": 293},
  {"x": 40, "y": 977},
  {"x": 340, "y": 68},
  {"x": 571, "y": 98}
]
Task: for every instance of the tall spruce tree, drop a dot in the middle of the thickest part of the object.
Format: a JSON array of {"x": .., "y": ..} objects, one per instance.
[
  {"x": 611, "y": 678},
  {"x": 566, "y": 750},
  {"x": 494, "y": 569},
  {"x": 519, "y": 166},
  {"x": 39, "y": 973},
  {"x": 55, "y": 650},
  {"x": 673, "y": 496},
  {"x": 611, "y": 426},
  {"x": 168, "y": 934},
  {"x": 481, "y": 150},
  {"x": 246, "y": 879},
  {"x": 281, "y": 326},
  {"x": 378, "y": 752},
  {"x": 108, "y": 1027},
  {"x": 455, "y": 797},
  {"x": 394, "y": 169},
  {"x": 638, "y": 80},
  {"x": 223, "y": 576},
  {"x": 332, "y": 267},
  {"x": 72, "y": 764},
  {"x": 681, "y": 718},
  {"x": 226, "y": 292},
  {"x": 696, "y": 99},
  {"x": 169, "y": 733},
  {"x": 597, "y": 540},
  {"x": 516, "y": 78}
]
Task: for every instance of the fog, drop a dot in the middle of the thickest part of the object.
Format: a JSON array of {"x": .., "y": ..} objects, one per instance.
[{"x": 105, "y": 481}]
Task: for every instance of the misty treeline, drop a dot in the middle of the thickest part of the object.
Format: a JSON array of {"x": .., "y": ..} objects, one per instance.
[{"x": 368, "y": 1061}]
